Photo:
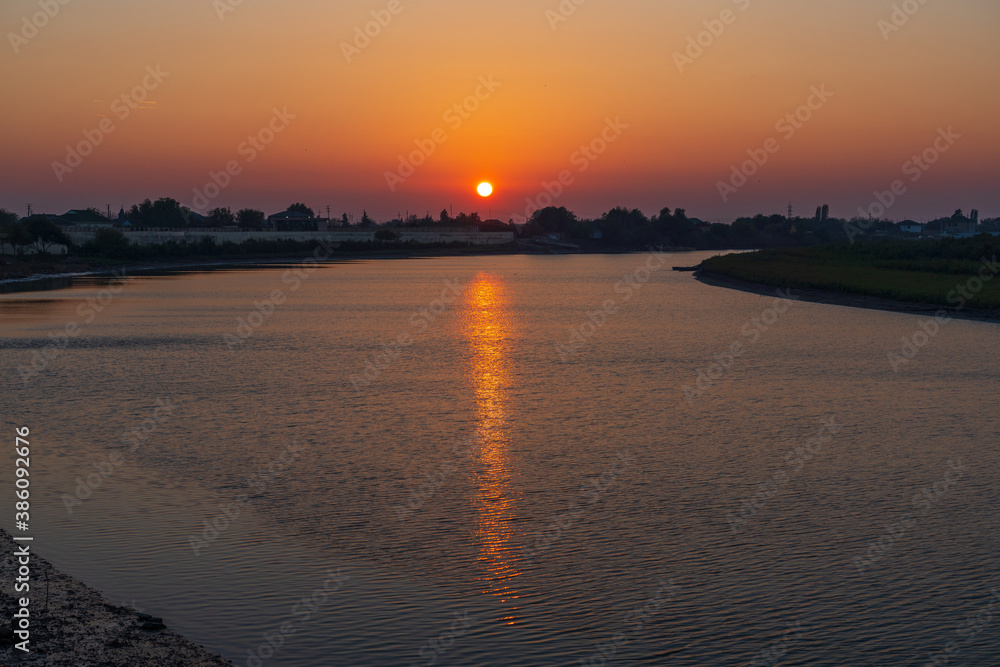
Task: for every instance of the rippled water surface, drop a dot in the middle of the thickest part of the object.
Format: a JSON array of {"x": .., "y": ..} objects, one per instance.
[{"x": 490, "y": 488}]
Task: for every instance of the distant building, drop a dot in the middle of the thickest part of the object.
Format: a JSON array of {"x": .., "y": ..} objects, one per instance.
[
  {"x": 84, "y": 217},
  {"x": 296, "y": 221},
  {"x": 911, "y": 227},
  {"x": 959, "y": 226},
  {"x": 494, "y": 225}
]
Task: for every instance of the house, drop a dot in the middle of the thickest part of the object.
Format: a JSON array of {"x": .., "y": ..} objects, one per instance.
[
  {"x": 85, "y": 217},
  {"x": 296, "y": 221},
  {"x": 494, "y": 225},
  {"x": 956, "y": 225},
  {"x": 911, "y": 227}
]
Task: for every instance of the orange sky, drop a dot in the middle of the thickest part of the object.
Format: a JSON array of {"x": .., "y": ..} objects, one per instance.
[{"x": 223, "y": 76}]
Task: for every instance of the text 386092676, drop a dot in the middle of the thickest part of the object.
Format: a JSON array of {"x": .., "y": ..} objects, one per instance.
[{"x": 22, "y": 583}]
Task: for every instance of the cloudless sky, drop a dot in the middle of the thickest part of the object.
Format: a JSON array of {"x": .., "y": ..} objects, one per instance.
[{"x": 558, "y": 88}]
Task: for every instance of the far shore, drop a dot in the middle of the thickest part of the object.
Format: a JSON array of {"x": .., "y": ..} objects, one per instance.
[
  {"x": 830, "y": 297},
  {"x": 82, "y": 269}
]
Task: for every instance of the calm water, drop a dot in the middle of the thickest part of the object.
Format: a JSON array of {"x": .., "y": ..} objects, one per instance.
[{"x": 491, "y": 499}]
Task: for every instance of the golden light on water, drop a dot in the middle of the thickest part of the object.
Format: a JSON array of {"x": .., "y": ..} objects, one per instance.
[{"x": 488, "y": 330}]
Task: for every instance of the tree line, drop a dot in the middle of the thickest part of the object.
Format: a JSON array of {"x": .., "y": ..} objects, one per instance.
[{"x": 618, "y": 229}]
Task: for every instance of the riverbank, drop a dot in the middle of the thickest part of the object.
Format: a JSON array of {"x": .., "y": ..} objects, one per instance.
[
  {"x": 49, "y": 278},
  {"x": 72, "y": 625},
  {"x": 959, "y": 276},
  {"x": 17, "y": 276},
  {"x": 833, "y": 298}
]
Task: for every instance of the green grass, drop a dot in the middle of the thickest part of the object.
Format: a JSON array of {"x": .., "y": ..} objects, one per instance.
[{"x": 917, "y": 271}]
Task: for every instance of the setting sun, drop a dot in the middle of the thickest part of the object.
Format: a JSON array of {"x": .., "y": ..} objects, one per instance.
[{"x": 484, "y": 189}]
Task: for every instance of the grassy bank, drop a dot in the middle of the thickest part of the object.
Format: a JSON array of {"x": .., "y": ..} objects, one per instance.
[{"x": 927, "y": 271}]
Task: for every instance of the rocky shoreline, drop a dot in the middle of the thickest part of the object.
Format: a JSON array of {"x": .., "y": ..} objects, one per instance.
[{"x": 72, "y": 625}]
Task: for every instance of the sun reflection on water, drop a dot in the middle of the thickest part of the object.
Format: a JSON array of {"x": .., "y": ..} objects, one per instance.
[{"x": 488, "y": 328}]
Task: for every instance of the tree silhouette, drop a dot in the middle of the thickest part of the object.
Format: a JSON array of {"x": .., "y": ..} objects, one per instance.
[
  {"x": 45, "y": 234},
  {"x": 221, "y": 217},
  {"x": 13, "y": 233},
  {"x": 107, "y": 243},
  {"x": 463, "y": 220},
  {"x": 164, "y": 212},
  {"x": 549, "y": 220},
  {"x": 249, "y": 218},
  {"x": 299, "y": 207},
  {"x": 675, "y": 227}
]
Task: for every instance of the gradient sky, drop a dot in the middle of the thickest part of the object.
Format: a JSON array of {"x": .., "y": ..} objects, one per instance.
[{"x": 558, "y": 87}]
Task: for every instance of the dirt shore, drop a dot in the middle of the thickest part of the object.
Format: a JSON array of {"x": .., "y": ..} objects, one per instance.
[
  {"x": 851, "y": 300},
  {"x": 72, "y": 625}
]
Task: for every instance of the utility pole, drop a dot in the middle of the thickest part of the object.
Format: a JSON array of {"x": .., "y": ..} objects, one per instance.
[
  {"x": 327, "y": 211},
  {"x": 29, "y": 210},
  {"x": 109, "y": 211},
  {"x": 789, "y": 210}
]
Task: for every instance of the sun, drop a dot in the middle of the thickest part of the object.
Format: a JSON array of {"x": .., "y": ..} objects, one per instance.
[{"x": 484, "y": 189}]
